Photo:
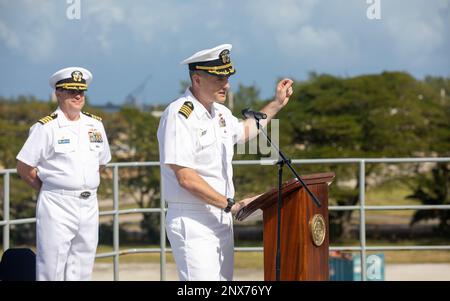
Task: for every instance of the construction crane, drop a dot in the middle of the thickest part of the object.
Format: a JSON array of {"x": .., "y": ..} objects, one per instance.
[{"x": 133, "y": 98}]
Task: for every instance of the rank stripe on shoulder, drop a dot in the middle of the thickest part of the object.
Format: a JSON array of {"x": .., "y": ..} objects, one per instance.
[
  {"x": 92, "y": 116},
  {"x": 47, "y": 119},
  {"x": 184, "y": 114},
  {"x": 186, "y": 109}
]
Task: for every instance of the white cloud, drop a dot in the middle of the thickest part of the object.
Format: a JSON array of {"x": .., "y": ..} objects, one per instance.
[
  {"x": 417, "y": 28},
  {"x": 145, "y": 22},
  {"x": 313, "y": 30},
  {"x": 99, "y": 18},
  {"x": 281, "y": 14},
  {"x": 29, "y": 29},
  {"x": 292, "y": 26},
  {"x": 308, "y": 41}
]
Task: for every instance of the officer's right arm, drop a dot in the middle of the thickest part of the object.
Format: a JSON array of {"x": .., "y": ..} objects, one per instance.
[
  {"x": 29, "y": 174},
  {"x": 190, "y": 180},
  {"x": 31, "y": 154}
]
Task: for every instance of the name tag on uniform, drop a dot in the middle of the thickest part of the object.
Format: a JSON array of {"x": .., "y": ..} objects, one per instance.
[{"x": 63, "y": 141}]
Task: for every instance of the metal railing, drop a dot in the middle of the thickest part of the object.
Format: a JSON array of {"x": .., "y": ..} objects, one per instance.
[{"x": 116, "y": 253}]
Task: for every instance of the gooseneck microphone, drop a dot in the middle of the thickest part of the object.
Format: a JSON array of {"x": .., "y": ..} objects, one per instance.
[{"x": 247, "y": 113}]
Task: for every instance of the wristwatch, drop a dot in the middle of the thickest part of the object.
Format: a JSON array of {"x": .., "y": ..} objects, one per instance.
[{"x": 230, "y": 204}]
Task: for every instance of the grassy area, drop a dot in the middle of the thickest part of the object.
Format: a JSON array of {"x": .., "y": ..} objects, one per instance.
[
  {"x": 252, "y": 260},
  {"x": 242, "y": 259},
  {"x": 417, "y": 256},
  {"x": 413, "y": 256},
  {"x": 390, "y": 193}
]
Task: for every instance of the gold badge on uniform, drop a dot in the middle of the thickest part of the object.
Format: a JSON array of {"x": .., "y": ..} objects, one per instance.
[
  {"x": 222, "y": 122},
  {"x": 186, "y": 109},
  {"x": 95, "y": 136}
]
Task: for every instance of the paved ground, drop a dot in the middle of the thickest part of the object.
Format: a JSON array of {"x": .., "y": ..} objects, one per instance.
[{"x": 151, "y": 271}]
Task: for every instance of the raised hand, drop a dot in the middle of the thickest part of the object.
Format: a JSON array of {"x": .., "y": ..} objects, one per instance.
[{"x": 284, "y": 91}]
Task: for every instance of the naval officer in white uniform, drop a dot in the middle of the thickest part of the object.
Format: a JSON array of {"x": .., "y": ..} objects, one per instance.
[
  {"x": 196, "y": 138},
  {"x": 62, "y": 159}
]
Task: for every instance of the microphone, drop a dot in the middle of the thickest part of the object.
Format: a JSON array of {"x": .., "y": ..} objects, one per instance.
[{"x": 247, "y": 113}]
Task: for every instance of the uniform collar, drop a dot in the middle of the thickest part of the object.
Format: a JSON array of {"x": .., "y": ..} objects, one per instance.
[
  {"x": 63, "y": 121},
  {"x": 199, "y": 108}
]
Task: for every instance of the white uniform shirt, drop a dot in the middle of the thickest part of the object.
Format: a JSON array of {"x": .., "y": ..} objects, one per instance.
[
  {"x": 203, "y": 142},
  {"x": 67, "y": 154}
]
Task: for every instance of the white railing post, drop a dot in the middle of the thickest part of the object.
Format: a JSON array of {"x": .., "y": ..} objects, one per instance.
[
  {"x": 116, "y": 221},
  {"x": 362, "y": 216},
  {"x": 6, "y": 212},
  {"x": 162, "y": 229}
]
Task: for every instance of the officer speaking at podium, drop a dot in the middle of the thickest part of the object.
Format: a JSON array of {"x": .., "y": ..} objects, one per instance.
[
  {"x": 62, "y": 159},
  {"x": 196, "y": 138}
]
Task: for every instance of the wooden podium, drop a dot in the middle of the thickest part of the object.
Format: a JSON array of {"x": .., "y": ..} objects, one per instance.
[{"x": 304, "y": 229}]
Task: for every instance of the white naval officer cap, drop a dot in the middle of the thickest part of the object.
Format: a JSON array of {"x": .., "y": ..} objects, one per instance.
[
  {"x": 71, "y": 78},
  {"x": 215, "y": 61}
]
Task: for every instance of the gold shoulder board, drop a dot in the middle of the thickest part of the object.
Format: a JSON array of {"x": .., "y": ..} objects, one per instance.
[
  {"x": 48, "y": 118},
  {"x": 186, "y": 109},
  {"x": 92, "y": 116}
]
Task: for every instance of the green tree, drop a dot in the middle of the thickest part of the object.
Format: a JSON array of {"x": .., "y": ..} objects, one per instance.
[
  {"x": 434, "y": 190},
  {"x": 385, "y": 115},
  {"x": 246, "y": 97}
]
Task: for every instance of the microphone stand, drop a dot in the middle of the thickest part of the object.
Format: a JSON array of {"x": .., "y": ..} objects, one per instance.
[{"x": 281, "y": 162}]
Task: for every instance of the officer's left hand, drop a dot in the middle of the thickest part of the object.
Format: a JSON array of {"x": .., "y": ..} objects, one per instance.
[{"x": 284, "y": 91}]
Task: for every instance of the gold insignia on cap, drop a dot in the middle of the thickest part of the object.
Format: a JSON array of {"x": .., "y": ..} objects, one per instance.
[
  {"x": 225, "y": 56},
  {"x": 77, "y": 76},
  {"x": 92, "y": 116},
  {"x": 186, "y": 109},
  {"x": 48, "y": 118}
]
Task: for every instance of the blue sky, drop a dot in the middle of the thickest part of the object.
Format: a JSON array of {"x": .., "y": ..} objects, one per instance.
[{"x": 123, "y": 42}]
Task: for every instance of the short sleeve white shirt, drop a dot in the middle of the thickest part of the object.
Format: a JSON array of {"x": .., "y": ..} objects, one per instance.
[
  {"x": 203, "y": 142},
  {"x": 67, "y": 154}
]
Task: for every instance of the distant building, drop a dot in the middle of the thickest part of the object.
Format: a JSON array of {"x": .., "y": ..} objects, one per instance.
[
  {"x": 108, "y": 108},
  {"x": 157, "y": 114},
  {"x": 112, "y": 108}
]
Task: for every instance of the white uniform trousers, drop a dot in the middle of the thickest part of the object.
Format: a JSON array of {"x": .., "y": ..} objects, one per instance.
[
  {"x": 201, "y": 237},
  {"x": 67, "y": 235}
]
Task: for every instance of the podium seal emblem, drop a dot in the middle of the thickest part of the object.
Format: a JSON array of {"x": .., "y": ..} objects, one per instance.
[{"x": 318, "y": 229}]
